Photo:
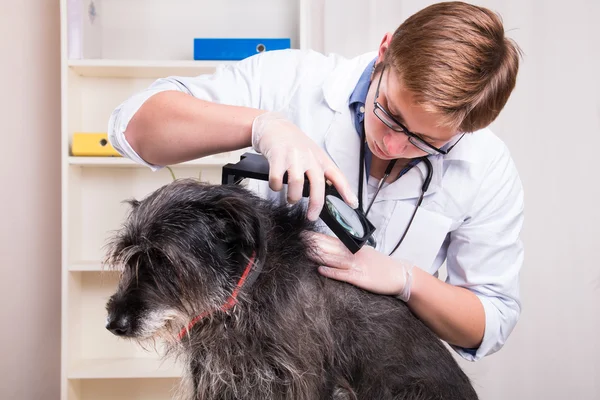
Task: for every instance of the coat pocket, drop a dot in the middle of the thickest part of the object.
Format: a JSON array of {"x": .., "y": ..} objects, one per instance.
[{"x": 424, "y": 238}]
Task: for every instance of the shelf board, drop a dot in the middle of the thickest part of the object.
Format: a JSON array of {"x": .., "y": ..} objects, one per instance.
[
  {"x": 216, "y": 161},
  {"x": 142, "y": 68},
  {"x": 88, "y": 266},
  {"x": 110, "y": 368}
]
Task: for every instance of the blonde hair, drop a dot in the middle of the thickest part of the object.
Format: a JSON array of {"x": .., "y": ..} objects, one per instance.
[{"x": 457, "y": 63}]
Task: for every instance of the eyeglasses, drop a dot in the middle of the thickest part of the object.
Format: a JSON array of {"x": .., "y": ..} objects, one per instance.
[{"x": 396, "y": 126}]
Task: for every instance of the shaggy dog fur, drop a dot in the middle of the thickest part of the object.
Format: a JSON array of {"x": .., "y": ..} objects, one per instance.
[{"x": 290, "y": 334}]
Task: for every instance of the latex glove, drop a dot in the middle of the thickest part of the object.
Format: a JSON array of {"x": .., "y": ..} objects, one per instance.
[
  {"x": 367, "y": 268},
  {"x": 289, "y": 149}
]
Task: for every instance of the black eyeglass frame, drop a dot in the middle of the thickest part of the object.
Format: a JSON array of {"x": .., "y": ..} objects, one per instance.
[{"x": 413, "y": 138}]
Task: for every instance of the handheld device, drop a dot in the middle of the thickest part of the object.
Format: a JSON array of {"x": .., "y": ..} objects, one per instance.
[{"x": 350, "y": 225}]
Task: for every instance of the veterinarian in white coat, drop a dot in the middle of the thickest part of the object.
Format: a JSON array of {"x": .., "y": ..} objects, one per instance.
[{"x": 471, "y": 215}]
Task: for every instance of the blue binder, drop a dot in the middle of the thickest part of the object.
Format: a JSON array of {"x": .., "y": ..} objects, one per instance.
[{"x": 236, "y": 49}]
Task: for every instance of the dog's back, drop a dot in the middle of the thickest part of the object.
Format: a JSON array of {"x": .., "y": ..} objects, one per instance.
[
  {"x": 378, "y": 348},
  {"x": 292, "y": 334},
  {"x": 395, "y": 355}
]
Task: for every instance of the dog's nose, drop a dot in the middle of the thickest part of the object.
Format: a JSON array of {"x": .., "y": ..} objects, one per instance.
[{"x": 119, "y": 325}]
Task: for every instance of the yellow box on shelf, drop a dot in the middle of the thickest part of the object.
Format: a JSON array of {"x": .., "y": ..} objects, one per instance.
[{"x": 89, "y": 144}]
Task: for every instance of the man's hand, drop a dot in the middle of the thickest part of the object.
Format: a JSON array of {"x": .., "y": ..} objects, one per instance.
[
  {"x": 367, "y": 268},
  {"x": 288, "y": 149}
]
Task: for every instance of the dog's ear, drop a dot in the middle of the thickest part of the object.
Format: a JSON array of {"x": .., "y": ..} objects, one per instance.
[
  {"x": 249, "y": 223},
  {"x": 133, "y": 203}
]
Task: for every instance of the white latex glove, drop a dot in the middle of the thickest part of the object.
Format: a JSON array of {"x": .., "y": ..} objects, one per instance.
[
  {"x": 367, "y": 268},
  {"x": 289, "y": 149}
]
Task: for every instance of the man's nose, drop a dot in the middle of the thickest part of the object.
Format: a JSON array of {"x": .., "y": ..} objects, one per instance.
[
  {"x": 119, "y": 325},
  {"x": 395, "y": 143}
]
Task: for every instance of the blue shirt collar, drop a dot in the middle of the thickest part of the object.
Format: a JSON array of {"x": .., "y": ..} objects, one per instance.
[
  {"x": 357, "y": 100},
  {"x": 359, "y": 95}
]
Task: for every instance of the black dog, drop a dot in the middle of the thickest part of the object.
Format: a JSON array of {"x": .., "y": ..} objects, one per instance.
[{"x": 225, "y": 279}]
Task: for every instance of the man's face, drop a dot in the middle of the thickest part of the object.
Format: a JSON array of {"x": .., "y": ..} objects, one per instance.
[{"x": 387, "y": 144}]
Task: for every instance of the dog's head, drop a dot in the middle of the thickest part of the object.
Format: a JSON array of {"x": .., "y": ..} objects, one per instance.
[{"x": 181, "y": 251}]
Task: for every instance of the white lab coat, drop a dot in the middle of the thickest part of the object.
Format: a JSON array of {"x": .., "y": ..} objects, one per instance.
[{"x": 471, "y": 216}]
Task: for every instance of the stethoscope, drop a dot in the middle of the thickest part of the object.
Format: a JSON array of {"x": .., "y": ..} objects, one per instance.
[{"x": 386, "y": 174}]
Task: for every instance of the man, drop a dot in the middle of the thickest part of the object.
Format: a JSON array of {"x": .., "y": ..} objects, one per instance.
[{"x": 422, "y": 104}]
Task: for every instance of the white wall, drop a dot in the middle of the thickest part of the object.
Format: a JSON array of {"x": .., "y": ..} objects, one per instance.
[
  {"x": 552, "y": 125},
  {"x": 30, "y": 200}
]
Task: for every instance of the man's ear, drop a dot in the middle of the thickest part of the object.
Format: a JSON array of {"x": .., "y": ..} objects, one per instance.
[{"x": 384, "y": 46}]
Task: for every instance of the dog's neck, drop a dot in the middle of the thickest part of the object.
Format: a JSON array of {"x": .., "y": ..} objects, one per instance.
[{"x": 248, "y": 277}]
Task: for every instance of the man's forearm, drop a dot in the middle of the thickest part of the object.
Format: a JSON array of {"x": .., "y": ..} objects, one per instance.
[
  {"x": 455, "y": 314},
  {"x": 173, "y": 127}
]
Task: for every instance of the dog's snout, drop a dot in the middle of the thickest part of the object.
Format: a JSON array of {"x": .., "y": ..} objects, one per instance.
[{"x": 119, "y": 325}]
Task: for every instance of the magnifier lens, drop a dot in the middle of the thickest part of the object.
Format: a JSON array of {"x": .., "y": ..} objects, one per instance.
[{"x": 345, "y": 215}]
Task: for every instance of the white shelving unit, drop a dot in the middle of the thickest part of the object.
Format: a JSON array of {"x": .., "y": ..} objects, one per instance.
[
  {"x": 210, "y": 161},
  {"x": 140, "y": 68},
  {"x": 130, "y": 43}
]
